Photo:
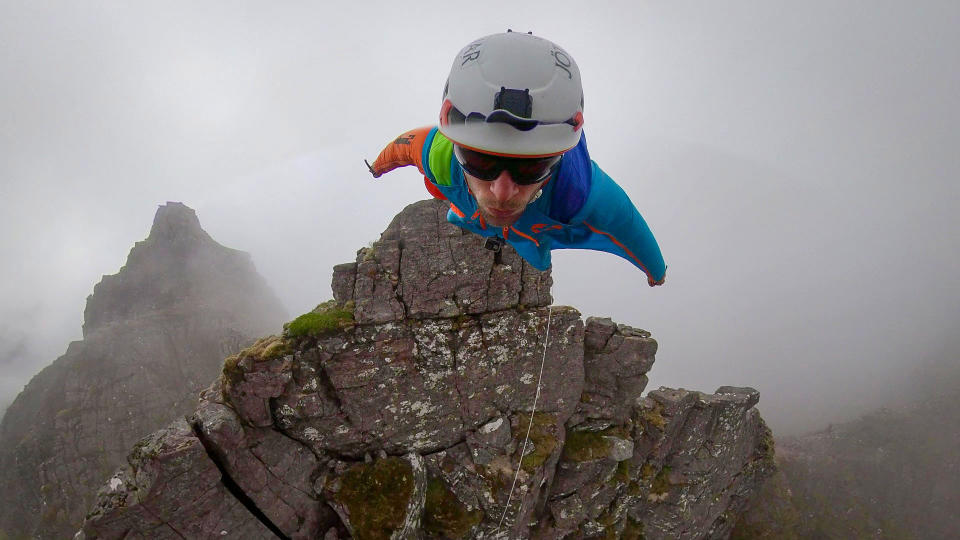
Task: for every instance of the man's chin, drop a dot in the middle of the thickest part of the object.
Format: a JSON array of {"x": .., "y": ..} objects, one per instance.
[{"x": 500, "y": 219}]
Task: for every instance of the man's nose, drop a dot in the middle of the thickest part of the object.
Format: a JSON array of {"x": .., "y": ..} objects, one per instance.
[{"x": 503, "y": 187}]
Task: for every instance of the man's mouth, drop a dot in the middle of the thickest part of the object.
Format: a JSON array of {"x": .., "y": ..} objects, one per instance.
[{"x": 501, "y": 213}]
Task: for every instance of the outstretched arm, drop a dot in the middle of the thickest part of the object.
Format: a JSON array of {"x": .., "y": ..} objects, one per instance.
[
  {"x": 407, "y": 149},
  {"x": 610, "y": 214}
]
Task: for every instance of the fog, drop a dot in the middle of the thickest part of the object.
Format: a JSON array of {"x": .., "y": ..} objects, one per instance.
[{"x": 796, "y": 160}]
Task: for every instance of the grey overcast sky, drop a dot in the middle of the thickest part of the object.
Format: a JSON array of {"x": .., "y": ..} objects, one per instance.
[{"x": 796, "y": 160}]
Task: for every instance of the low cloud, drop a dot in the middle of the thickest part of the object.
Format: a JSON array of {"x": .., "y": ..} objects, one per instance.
[{"x": 12, "y": 349}]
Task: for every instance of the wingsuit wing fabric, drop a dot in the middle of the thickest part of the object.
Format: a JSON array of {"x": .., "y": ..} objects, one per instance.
[
  {"x": 581, "y": 207},
  {"x": 407, "y": 149}
]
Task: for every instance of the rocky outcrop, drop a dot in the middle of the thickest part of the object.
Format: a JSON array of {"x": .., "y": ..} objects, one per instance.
[
  {"x": 155, "y": 334},
  {"x": 412, "y": 406}
]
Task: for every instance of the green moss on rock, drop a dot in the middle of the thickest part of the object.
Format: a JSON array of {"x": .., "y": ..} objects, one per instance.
[
  {"x": 263, "y": 350},
  {"x": 50, "y": 513},
  {"x": 327, "y": 318},
  {"x": 661, "y": 484},
  {"x": 767, "y": 447},
  {"x": 444, "y": 515},
  {"x": 542, "y": 435},
  {"x": 591, "y": 445},
  {"x": 654, "y": 417},
  {"x": 585, "y": 446},
  {"x": 376, "y": 496},
  {"x": 623, "y": 472},
  {"x": 647, "y": 471},
  {"x": 633, "y": 530},
  {"x": 145, "y": 450}
]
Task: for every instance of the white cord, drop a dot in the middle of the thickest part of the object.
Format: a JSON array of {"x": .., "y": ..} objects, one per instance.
[{"x": 533, "y": 411}]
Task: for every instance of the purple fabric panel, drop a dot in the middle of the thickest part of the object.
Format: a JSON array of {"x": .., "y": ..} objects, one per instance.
[{"x": 572, "y": 183}]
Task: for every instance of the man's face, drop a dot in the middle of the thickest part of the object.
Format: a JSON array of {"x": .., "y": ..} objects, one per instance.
[{"x": 501, "y": 201}]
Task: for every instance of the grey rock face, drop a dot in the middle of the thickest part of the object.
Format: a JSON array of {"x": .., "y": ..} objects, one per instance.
[
  {"x": 443, "y": 272},
  {"x": 416, "y": 418},
  {"x": 152, "y": 496},
  {"x": 155, "y": 334},
  {"x": 421, "y": 386}
]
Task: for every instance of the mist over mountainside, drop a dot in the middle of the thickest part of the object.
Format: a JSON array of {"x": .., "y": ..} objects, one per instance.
[
  {"x": 13, "y": 346},
  {"x": 893, "y": 473},
  {"x": 155, "y": 333},
  {"x": 936, "y": 374},
  {"x": 6, "y": 358}
]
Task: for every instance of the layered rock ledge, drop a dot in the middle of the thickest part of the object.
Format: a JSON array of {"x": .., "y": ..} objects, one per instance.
[{"x": 404, "y": 408}]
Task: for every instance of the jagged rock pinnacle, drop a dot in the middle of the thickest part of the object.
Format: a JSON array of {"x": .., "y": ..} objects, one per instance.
[
  {"x": 176, "y": 220},
  {"x": 174, "y": 269}
]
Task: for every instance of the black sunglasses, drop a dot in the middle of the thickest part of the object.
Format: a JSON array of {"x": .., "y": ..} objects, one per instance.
[{"x": 523, "y": 171}]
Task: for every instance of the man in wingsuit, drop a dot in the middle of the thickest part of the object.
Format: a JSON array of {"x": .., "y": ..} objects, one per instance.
[{"x": 511, "y": 158}]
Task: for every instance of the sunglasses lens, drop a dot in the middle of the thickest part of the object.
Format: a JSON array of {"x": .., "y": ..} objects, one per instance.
[
  {"x": 523, "y": 171},
  {"x": 482, "y": 166},
  {"x": 531, "y": 171}
]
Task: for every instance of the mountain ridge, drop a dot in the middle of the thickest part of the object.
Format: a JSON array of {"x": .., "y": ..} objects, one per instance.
[{"x": 153, "y": 335}]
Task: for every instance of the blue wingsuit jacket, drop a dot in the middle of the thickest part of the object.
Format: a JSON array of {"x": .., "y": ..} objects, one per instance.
[{"x": 580, "y": 208}]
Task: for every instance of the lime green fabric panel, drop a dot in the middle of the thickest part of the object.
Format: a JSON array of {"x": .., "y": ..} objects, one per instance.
[{"x": 441, "y": 155}]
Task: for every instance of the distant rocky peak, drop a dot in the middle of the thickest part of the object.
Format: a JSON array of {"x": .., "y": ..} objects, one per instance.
[
  {"x": 177, "y": 268},
  {"x": 155, "y": 333},
  {"x": 174, "y": 221}
]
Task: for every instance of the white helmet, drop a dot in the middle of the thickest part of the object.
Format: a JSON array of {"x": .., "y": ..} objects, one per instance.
[{"x": 513, "y": 94}]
